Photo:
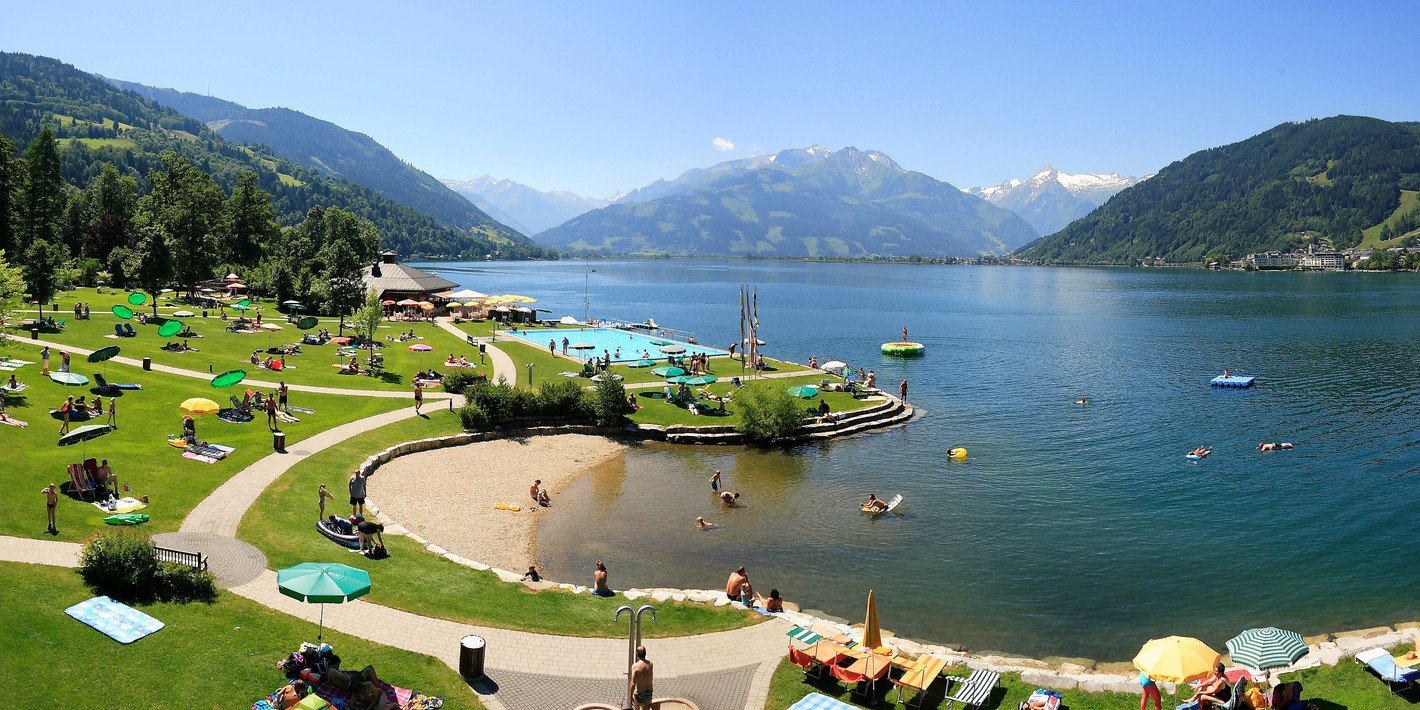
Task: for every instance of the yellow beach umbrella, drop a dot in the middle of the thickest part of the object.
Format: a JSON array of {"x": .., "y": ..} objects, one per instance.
[
  {"x": 198, "y": 405},
  {"x": 514, "y": 298},
  {"x": 1177, "y": 659},
  {"x": 453, "y": 304},
  {"x": 872, "y": 635}
]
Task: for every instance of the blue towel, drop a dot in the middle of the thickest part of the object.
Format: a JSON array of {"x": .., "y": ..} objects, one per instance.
[{"x": 119, "y": 622}]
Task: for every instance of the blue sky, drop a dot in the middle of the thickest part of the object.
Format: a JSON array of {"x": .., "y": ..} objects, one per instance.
[{"x": 600, "y": 97}]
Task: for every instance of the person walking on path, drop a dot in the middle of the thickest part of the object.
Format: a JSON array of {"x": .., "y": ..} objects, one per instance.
[
  {"x": 271, "y": 413},
  {"x": 51, "y": 501},
  {"x": 552, "y": 346},
  {"x": 281, "y": 393},
  {"x": 65, "y": 410},
  {"x": 715, "y": 481},
  {"x": 902, "y": 390},
  {"x": 418, "y": 397},
  {"x": 599, "y": 583},
  {"x": 357, "y": 493},
  {"x": 641, "y": 678},
  {"x": 325, "y": 495},
  {"x": 44, "y": 358},
  {"x": 113, "y": 412},
  {"x": 565, "y": 343}
]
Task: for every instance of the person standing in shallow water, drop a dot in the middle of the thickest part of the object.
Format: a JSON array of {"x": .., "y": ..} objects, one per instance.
[
  {"x": 902, "y": 389},
  {"x": 715, "y": 481}
]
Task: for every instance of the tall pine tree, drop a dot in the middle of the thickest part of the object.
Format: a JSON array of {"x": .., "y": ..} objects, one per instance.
[
  {"x": 43, "y": 199},
  {"x": 249, "y": 222},
  {"x": 9, "y": 197},
  {"x": 186, "y": 205}
]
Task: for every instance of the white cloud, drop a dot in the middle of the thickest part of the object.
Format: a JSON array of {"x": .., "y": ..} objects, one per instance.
[{"x": 724, "y": 145}]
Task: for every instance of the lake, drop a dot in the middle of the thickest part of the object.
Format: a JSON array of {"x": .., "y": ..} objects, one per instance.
[{"x": 1070, "y": 530}]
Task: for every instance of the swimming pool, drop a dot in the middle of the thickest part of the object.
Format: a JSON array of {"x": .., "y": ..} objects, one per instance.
[{"x": 624, "y": 346}]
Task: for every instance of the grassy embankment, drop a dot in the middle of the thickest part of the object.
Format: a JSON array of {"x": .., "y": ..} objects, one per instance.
[
  {"x": 1347, "y": 685},
  {"x": 1371, "y": 236},
  {"x": 137, "y": 451},
  {"x": 281, "y": 524},
  {"x": 219, "y": 655}
]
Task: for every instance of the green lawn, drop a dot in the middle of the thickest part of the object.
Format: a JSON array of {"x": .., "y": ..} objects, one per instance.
[
  {"x": 1348, "y": 685},
  {"x": 1371, "y": 236},
  {"x": 219, "y": 655},
  {"x": 220, "y": 350},
  {"x": 138, "y": 451},
  {"x": 281, "y": 524},
  {"x": 658, "y": 411}
]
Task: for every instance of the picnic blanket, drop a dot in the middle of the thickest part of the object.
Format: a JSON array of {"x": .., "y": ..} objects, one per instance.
[
  {"x": 302, "y": 410},
  {"x": 122, "y": 505},
  {"x": 119, "y": 622},
  {"x": 404, "y": 698},
  {"x": 211, "y": 453},
  {"x": 127, "y": 519},
  {"x": 819, "y": 701},
  {"x": 16, "y": 388}
]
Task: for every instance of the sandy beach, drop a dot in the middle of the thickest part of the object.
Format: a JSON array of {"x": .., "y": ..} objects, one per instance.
[{"x": 447, "y": 496}]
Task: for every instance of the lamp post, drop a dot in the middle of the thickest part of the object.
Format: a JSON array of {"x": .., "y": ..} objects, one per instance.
[{"x": 530, "y": 371}]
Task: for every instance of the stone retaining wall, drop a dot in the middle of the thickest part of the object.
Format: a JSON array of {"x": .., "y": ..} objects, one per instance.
[{"x": 1083, "y": 674}]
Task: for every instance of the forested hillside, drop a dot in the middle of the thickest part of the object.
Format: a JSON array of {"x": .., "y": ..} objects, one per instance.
[
  {"x": 97, "y": 123},
  {"x": 329, "y": 149},
  {"x": 1321, "y": 179}
]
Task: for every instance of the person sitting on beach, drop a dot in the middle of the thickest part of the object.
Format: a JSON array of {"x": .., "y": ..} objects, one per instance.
[
  {"x": 872, "y": 380},
  {"x": 813, "y": 362},
  {"x": 747, "y": 594},
  {"x": 773, "y": 603},
  {"x": 97, "y": 405},
  {"x": 823, "y": 407},
  {"x": 631, "y": 402},
  {"x": 531, "y": 575},
  {"x": 729, "y": 498},
  {"x": 599, "y": 583},
  {"x": 875, "y": 503},
  {"x": 13, "y": 384},
  {"x": 255, "y": 357},
  {"x": 1214, "y": 689},
  {"x": 340, "y": 525},
  {"x": 737, "y": 579}
]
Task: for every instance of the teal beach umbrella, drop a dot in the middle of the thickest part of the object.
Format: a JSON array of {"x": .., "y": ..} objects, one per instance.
[
  {"x": 170, "y": 328},
  {"x": 803, "y": 391},
  {"x": 667, "y": 371},
  {"x": 137, "y": 299},
  {"x": 693, "y": 380},
  {"x": 323, "y": 583},
  {"x": 1267, "y": 648},
  {"x": 123, "y": 312},
  {"x": 73, "y": 379},
  {"x": 228, "y": 378}
]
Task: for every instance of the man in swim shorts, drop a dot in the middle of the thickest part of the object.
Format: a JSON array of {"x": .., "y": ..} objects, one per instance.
[
  {"x": 51, "y": 500},
  {"x": 641, "y": 676},
  {"x": 357, "y": 493}
]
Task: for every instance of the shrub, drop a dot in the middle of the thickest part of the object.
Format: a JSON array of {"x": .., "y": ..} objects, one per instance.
[
  {"x": 458, "y": 381},
  {"x": 767, "y": 412},
  {"x": 498, "y": 401},
  {"x": 121, "y": 565},
  {"x": 181, "y": 583},
  {"x": 474, "y": 418},
  {"x": 561, "y": 398},
  {"x": 609, "y": 406}
]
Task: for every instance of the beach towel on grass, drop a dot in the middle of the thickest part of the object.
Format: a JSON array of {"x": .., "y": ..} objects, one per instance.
[
  {"x": 403, "y": 698},
  {"x": 119, "y": 622},
  {"x": 301, "y": 410},
  {"x": 122, "y": 505}
]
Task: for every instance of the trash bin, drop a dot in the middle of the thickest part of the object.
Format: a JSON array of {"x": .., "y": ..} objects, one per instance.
[
  {"x": 148, "y": 363},
  {"x": 483, "y": 347},
  {"x": 278, "y": 440},
  {"x": 204, "y": 313},
  {"x": 471, "y": 651},
  {"x": 34, "y": 333}
]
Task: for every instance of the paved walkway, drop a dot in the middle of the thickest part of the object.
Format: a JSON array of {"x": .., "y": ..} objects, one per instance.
[
  {"x": 503, "y": 366},
  {"x": 726, "y": 670}
]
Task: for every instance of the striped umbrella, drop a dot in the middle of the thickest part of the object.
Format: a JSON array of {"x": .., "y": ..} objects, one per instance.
[{"x": 1267, "y": 648}]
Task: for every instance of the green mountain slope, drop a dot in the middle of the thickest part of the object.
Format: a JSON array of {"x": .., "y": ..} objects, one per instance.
[
  {"x": 1328, "y": 178},
  {"x": 98, "y": 123},
  {"x": 849, "y": 204},
  {"x": 325, "y": 147}
]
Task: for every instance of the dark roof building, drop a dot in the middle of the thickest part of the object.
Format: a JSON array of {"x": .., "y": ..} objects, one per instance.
[{"x": 397, "y": 281}]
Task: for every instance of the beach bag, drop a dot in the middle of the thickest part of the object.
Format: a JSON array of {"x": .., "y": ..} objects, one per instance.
[
  {"x": 1255, "y": 699},
  {"x": 378, "y": 552}
]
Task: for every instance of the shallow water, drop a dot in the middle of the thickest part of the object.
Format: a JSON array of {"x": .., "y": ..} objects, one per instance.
[{"x": 1069, "y": 530}]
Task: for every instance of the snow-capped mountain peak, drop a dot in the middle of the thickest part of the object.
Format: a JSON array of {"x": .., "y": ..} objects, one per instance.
[{"x": 1051, "y": 199}]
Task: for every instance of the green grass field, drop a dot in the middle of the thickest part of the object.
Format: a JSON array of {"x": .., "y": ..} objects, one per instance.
[
  {"x": 282, "y": 521},
  {"x": 137, "y": 451},
  {"x": 220, "y": 350},
  {"x": 220, "y": 655},
  {"x": 1371, "y": 236}
]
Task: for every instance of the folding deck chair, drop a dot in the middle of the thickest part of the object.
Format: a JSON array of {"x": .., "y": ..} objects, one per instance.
[{"x": 976, "y": 689}]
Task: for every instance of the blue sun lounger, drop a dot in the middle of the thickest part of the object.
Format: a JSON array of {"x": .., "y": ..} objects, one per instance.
[{"x": 1383, "y": 664}]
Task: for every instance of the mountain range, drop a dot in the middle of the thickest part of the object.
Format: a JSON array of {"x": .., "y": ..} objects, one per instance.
[
  {"x": 1338, "y": 180},
  {"x": 809, "y": 202},
  {"x": 524, "y": 208},
  {"x": 98, "y": 123},
  {"x": 325, "y": 147},
  {"x": 1050, "y": 199}
]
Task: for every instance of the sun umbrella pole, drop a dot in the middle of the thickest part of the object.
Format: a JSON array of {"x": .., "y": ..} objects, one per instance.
[{"x": 321, "y": 633}]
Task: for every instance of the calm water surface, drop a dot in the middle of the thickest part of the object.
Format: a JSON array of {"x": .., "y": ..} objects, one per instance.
[{"x": 1070, "y": 530}]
